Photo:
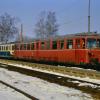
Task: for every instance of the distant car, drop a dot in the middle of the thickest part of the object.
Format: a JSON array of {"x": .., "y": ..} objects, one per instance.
[{"x": 6, "y": 50}]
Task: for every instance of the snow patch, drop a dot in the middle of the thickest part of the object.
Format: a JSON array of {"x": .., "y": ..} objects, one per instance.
[{"x": 41, "y": 89}]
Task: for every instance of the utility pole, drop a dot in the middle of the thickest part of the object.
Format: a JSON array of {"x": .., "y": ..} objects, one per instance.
[
  {"x": 21, "y": 33},
  {"x": 89, "y": 17}
]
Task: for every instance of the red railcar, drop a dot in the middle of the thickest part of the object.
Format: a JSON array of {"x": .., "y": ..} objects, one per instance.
[{"x": 78, "y": 48}]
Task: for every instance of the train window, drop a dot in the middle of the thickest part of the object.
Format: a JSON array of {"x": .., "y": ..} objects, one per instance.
[
  {"x": 42, "y": 45},
  {"x": 91, "y": 43},
  {"x": 16, "y": 47},
  {"x": 28, "y": 46},
  {"x": 54, "y": 45},
  {"x": 98, "y": 43},
  {"x": 21, "y": 46},
  {"x": 83, "y": 43},
  {"x": 62, "y": 44},
  {"x": 69, "y": 44},
  {"x": 24, "y": 46},
  {"x": 9, "y": 47},
  {"x": 13, "y": 47},
  {"x": 47, "y": 45},
  {"x": 78, "y": 43},
  {"x": 32, "y": 46},
  {"x": 6, "y": 47},
  {"x": 2, "y": 48},
  {"x": 37, "y": 45}
]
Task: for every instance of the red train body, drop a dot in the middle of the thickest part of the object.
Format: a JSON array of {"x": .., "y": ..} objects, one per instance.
[{"x": 75, "y": 49}]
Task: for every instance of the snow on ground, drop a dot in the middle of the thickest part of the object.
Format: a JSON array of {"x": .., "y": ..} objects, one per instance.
[
  {"x": 41, "y": 89},
  {"x": 45, "y": 71},
  {"x": 7, "y": 93}
]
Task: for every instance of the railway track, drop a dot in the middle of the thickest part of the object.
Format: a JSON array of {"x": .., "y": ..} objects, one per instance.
[
  {"x": 55, "y": 76},
  {"x": 29, "y": 71},
  {"x": 72, "y": 71},
  {"x": 59, "y": 79},
  {"x": 18, "y": 90}
]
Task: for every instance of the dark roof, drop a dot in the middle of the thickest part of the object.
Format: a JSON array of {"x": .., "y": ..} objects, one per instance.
[{"x": 77, "y": 35}]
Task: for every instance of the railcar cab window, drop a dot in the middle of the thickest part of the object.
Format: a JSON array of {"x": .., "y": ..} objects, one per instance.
[
  {"x": 98, "y": 43},
  {"x": 91, "y": 43},
  {"x": 70, "y": 44},
  {"x": 54, "y": 45}
]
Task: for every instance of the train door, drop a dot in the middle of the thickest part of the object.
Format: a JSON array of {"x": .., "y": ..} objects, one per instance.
[
  {"x": 80, "y": 52},
  {"x": 37, "y": 52},
  {"x": 80, "y": 43}
]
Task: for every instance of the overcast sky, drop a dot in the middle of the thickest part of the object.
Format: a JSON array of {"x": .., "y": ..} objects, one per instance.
[{"x": 71, "y": 14}]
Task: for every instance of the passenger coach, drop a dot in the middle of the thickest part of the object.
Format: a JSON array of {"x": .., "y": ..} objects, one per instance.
[
  {"x": 73, "y": 49},
  {"x": 6, "y": 50}
]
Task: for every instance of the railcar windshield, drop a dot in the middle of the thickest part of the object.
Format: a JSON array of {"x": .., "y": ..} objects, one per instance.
[
  {"x": 98, "y": 43},
  {"x": 93, "y": 43}
]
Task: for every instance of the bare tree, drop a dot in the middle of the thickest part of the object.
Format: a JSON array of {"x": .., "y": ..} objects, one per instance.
[
  {"x": 51, "y": 24},
  {"x": 8, "y": 28},
  {"x": 40, "y": 26},
  {"x": 47, "y": 25}
]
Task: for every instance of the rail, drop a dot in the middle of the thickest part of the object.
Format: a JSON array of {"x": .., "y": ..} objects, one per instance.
[
  {"x": 57, "y": 78},
  {"x": 72, "y": 71},
  {"x": 18, "y": 90}
]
